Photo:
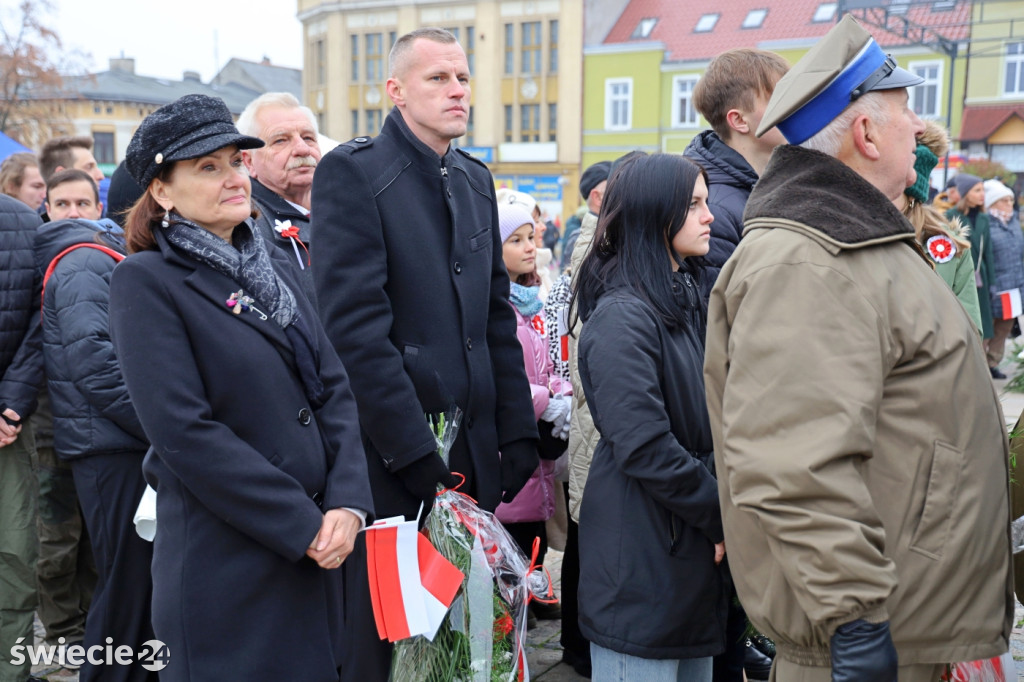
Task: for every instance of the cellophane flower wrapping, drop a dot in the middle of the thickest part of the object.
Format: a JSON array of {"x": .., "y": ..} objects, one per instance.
[
  {"x": 999, "y": 669},
  {"x": 483, "y": 636}
]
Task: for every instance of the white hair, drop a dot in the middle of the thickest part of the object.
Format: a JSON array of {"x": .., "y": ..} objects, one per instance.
[
  {"x": 247, "y": 121},
  {"x": 829, "y": 139}
]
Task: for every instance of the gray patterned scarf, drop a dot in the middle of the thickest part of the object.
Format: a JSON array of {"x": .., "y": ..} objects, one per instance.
[{"x": 245, "y": 260}]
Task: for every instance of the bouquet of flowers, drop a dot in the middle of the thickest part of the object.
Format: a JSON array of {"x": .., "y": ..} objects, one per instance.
[{"x": 483, "y": 635}]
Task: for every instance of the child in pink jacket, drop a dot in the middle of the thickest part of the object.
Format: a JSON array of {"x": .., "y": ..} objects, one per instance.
[{"x": 524, "y": 517}]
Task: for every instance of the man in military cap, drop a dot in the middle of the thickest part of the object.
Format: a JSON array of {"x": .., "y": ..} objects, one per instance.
[{"x": 860, "y": 448}]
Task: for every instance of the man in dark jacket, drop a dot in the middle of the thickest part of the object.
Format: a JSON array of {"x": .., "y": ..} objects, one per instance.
[
  {"x": 282, "y": 174},
  {"x": 413, "y": 293},
  {"x": 731, "y": 96},
  {"x": 95, "y": 427},
  {"x": 21, "y": 373}
]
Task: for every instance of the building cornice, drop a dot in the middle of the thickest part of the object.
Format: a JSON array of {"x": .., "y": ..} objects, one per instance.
[
  {"x": 360, "y": 5},
  {"x": 621, "y": 48}
]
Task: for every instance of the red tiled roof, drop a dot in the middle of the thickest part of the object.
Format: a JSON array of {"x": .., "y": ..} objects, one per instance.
[
  {"x": 980, "y": 122},
  {"x": 786, "y": 20}
]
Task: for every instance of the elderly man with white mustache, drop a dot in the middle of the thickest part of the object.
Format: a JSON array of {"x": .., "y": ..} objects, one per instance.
[{"x": 282, "y": 174}]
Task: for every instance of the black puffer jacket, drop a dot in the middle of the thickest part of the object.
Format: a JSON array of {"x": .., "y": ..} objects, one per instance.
[
  {"x": 21, "y": 351},
  {"x": 92, "y": 413},
  {"x": 730, "y": 180},
  {"x": 650, "y": 518}
]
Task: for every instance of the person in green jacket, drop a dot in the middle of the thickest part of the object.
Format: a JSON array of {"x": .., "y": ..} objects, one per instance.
[
  {"x": 969, "y": 211},
  {"x": 943, "y": 240}
]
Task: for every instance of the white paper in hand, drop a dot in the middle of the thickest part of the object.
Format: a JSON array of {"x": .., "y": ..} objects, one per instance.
[{"x": 145, "y": 515}]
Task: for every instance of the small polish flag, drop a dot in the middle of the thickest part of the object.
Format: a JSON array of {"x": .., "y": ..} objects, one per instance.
[
  {"x": 1010, "y": 303},
  {"x": 411, "y": 583},
  {"x": 563, "y": 332}
]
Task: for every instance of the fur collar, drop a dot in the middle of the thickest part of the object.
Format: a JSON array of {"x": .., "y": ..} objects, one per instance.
[{"x": 813, "y": 189}]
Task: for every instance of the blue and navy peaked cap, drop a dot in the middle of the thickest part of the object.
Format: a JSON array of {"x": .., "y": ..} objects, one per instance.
[{"x": 841, "y": 67}]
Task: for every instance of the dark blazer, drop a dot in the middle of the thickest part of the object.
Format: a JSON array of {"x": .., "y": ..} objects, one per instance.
[
  {"x": 21, "y": 337},
  {"x": 650, "y": 517},
  {"x": 273, "y": 208},
  {"x": 413, "y": 292},
  {"x": 238, "y": 456}
]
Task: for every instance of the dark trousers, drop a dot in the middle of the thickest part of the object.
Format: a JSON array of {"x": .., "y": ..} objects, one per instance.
[
  {"x": 728, "y": 665},
  {"x": 66, "y": 572},
  {"x": 524, "y": 533},
  {"x": 365, "y": 657},
  {"x": 109, "y": 490},
  {"x": 572, "y": 639}
]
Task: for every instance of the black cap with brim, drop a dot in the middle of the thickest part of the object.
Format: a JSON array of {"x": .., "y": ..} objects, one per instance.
[{"x": 187, "y": 128}]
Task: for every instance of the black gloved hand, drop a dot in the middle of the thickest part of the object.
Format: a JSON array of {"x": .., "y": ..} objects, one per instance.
[
  {"x": 421, "y": 476},
  {"x": 519, "y": 460},
  {"x": 863, "y": 651}
]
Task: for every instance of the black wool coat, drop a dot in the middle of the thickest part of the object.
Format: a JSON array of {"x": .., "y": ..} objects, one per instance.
[
  {"x": 650, "y": 517},
  {"x": 273, "y": 208},
  {"x": 413, "y": 292},
  {"x": 239, "y": 454}
]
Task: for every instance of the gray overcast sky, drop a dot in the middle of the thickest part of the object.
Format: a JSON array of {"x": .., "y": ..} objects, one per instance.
[{"x": 171, "y": 36}]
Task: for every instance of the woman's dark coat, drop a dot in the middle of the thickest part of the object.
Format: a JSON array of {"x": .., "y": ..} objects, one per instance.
[
  {"x": 238, "y": 457},
  {"x": 650, "y": 518},
  {"x": 92, "y": 413},
  {"x": 981, "y": 247}
]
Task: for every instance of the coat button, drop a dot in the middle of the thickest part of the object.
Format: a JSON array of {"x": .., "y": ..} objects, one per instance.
[
  {"x": 458, "y": 268},
  {"x": 305, "y": 416},
  {"x": 469, "y": 422},
  {"x": 469, "y": 344}
]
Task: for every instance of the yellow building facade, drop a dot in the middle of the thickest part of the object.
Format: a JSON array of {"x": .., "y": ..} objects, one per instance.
[{"x": 526, "y": 84}]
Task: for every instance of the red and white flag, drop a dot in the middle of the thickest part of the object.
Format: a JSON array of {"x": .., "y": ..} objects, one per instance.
[
  {"x": 1009, "y": 303},
  {"x": 411, "y": 583}
]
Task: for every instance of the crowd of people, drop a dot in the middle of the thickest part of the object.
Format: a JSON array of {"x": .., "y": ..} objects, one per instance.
[{"x": 753, "y": 406}]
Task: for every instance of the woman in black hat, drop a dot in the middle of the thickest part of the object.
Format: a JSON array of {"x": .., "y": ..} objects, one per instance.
[{"x": 260, "y": 474}]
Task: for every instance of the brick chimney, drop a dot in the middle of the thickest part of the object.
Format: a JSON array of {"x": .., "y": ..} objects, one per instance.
[{"x": 122, "y": 64}]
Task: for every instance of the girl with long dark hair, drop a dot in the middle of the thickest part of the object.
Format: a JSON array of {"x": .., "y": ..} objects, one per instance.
[{"x": 652, "y": 594}]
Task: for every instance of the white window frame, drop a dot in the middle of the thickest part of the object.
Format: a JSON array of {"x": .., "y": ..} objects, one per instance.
[
  {"x": 677, "y": 108},
  {"x": 1018, "y": 60},
  {"x": 940, "y": 67},
  {"x": 610, "y": 102},
  {"x": 644, "y": 28},
  {"x": 826, "y": 11},
  {"x": 707, "y": 22},
  {"x": 755, "y": 18}
]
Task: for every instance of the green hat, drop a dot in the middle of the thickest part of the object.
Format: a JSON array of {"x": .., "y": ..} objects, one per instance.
[
  {"x": 841, "y": 67},
  {"x": 924, "y": 164}
]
